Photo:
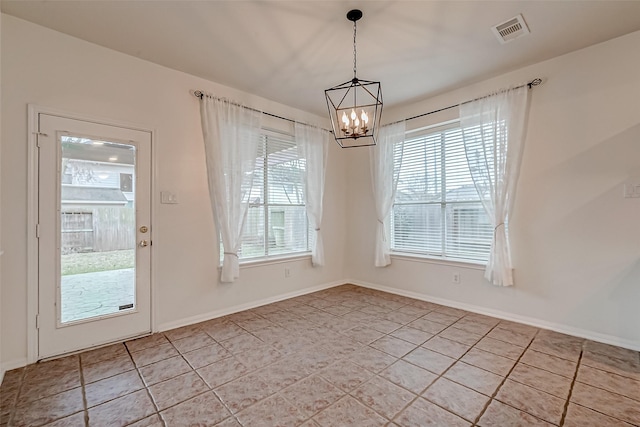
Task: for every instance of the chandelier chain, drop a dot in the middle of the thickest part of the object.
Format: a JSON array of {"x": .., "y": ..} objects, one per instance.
[{"x": 354, "y": 49}]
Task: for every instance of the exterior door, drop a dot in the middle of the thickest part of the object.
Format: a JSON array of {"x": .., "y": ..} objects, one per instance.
[{"x": 94, "y": 234}]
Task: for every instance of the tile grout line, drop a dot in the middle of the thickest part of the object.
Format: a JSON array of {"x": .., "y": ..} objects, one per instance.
[
  {"x": 495, "y": 393},
  {"x": 573, "y": 381},
  {"x": 459, "y": 359},
  {"x": 146, "y": 388},
  {"x": 84, "y": 392}
]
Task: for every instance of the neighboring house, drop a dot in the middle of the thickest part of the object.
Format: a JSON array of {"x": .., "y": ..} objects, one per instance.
[{"x": 97, "y": 197}]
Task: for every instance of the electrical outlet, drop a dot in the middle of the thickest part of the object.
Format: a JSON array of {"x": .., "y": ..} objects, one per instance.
[
  {"x": 456, "y": 278},
  {"x": 287, "y": 272}
]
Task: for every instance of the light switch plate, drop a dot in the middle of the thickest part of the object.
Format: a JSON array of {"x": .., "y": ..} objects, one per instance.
[
  {"x": 168, "y": 198},
  {"x": 631, "y": 191}
]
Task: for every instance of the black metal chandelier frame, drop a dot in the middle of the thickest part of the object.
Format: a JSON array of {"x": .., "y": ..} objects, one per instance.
[{"x": 350, "y": 130}]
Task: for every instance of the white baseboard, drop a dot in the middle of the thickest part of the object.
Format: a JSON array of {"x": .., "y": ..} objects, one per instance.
[
  {"x": 241, "y": 307},
  {"x": 532, "y": 321},
  {"x": 12, "y": 364}
]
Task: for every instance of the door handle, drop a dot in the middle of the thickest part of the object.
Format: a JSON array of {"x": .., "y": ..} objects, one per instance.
[{"x": 143, "y": 243}]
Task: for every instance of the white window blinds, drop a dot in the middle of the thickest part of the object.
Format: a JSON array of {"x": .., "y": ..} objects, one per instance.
[
  {"x": 437, "y": 211},
  {"x": 276, "y": 223}
]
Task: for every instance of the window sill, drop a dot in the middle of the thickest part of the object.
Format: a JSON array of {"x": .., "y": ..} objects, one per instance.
[
  {"x": 472, "y": 265},
  {"x": 258, "y": 262}
]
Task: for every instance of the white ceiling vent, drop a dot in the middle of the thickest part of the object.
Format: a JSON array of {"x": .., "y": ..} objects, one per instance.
[{"x": 511, "y": 29}]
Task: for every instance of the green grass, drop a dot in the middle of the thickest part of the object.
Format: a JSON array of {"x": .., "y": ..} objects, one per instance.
[{"x": 90, "y": 262}]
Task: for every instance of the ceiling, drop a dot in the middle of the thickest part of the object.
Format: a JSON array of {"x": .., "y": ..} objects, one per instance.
[{"x": 290, "y": 51}]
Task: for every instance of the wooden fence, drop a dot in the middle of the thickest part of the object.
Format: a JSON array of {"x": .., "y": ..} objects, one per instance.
[{"x": 97, "y": 229}]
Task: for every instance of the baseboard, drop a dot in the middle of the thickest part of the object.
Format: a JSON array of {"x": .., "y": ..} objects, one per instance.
[
  {"x": 241, "y": 307},
  {"x": 532, "y": 321},
  {"x": 12, "y": 364}
]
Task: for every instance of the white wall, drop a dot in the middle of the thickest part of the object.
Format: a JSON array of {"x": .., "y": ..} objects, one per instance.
[
  {"x": 576, "y": 240},
  {"x": 51, "y": 69}
]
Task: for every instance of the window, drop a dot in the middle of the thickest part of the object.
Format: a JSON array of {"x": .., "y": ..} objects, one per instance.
[
  {"x": 437, "y": 211},
  {"x": 276, "y": 222}
]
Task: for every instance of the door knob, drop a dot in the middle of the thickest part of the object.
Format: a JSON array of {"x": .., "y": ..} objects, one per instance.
[{"x": 143, "y": 243}]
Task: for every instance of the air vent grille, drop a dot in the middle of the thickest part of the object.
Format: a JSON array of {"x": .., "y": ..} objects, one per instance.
[{"x": 511, "y": 29}]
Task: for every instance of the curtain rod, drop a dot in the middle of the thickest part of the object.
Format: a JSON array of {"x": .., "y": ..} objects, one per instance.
[
  {"x": 534, "y": 82},
  {"x": 200, "y": 94}
]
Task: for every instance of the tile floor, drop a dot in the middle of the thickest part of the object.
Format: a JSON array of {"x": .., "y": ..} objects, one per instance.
[{"x": 346, "y": 356}]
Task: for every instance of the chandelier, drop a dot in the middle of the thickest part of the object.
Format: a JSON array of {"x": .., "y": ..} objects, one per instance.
[{"x": 355, "y": 106}]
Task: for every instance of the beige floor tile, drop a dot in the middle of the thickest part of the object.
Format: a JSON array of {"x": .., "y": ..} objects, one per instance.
[
  {"x": 183, "y": 332},
  {"x": 193, "y": 342},
  {"x": 372, "y": 359},
  {"x": 349, "y": 412},
  {"x": 579, "y": 416},
  {"x": 113, "y": 387},
  {"x": 500, "y": 348},
  {"x": 535, "y": 402},
  {"x": 108, "y": 368},
  {"x": 383, "y": 396},
  {"x": 460, "y": 400},
  {"x": 429, "y": 360},
  {"x": 164, "y": 369},
  {"x": 473, "y": 326},
  {"x": 203, "y": 410},
  {"x": 447, "y": 347},
  {"x": 345, "y": 375},
  {"x": 409, "y": 376},
  {"x": 605, "y": 402},
  {"x": 454, "y": 334},
  {"x": 440, "y": 317},
  {"x": 422, "y": 413},
  {"x": 145, "y": 342},
  {"x": 273, "y": 411},
  {"x": 626, "y": 368},
  {"x": 427, "y": 325},
  {"x": 176, "y": 390},
  {"x": 154, "y": 354},
  {"x": 412, "y": 335},
  {"x": 554, "y": 384},
  {"x": 243, "y": 392},
  {"x": 206, "y": 355},
  {"x": 222, "y": 372},
  {"x": 312, "y": 395},
  {"x": 393, "y": 346},
  {"x": 549, "y": 363},
  {"x": 615, "y": 383},
  {"x": 510, "y": 336},
  {"x": 500, "y": 415},
  {"x": 488, "y": 361},
  {"x": 103, "y": 353},
  {"x": 122, "y": 411},
  {"x": 39, "y": 412},
  {"x": 611, "y": 351},
  {"x": 475, "y": 378}
]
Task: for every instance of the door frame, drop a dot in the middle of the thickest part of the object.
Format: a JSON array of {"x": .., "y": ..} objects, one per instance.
[{"x": 34, "y": 111}]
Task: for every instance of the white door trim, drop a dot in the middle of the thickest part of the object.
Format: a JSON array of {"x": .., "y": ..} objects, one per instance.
[{"x": 32, "y": 214}]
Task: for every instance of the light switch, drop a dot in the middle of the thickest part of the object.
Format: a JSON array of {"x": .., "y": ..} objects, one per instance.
[
  {"x": 168, "y": 198},
  {"x": 631, "y": 191}
]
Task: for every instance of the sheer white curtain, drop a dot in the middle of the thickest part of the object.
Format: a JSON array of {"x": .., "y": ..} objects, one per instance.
[
  {"x": 231, "y": 136},
  {"x": 494, "y": 130},
  {"x": 313, "y": 145},
  {"x": 385, "y": 169}
]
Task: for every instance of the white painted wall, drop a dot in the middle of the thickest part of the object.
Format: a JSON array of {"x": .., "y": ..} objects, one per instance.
[
  {"x": 576, "y": 240},
  {"x": 50, "y": 69}
]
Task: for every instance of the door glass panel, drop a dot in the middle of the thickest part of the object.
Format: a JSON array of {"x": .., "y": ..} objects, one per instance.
[{"x": 97, "y": 228}]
